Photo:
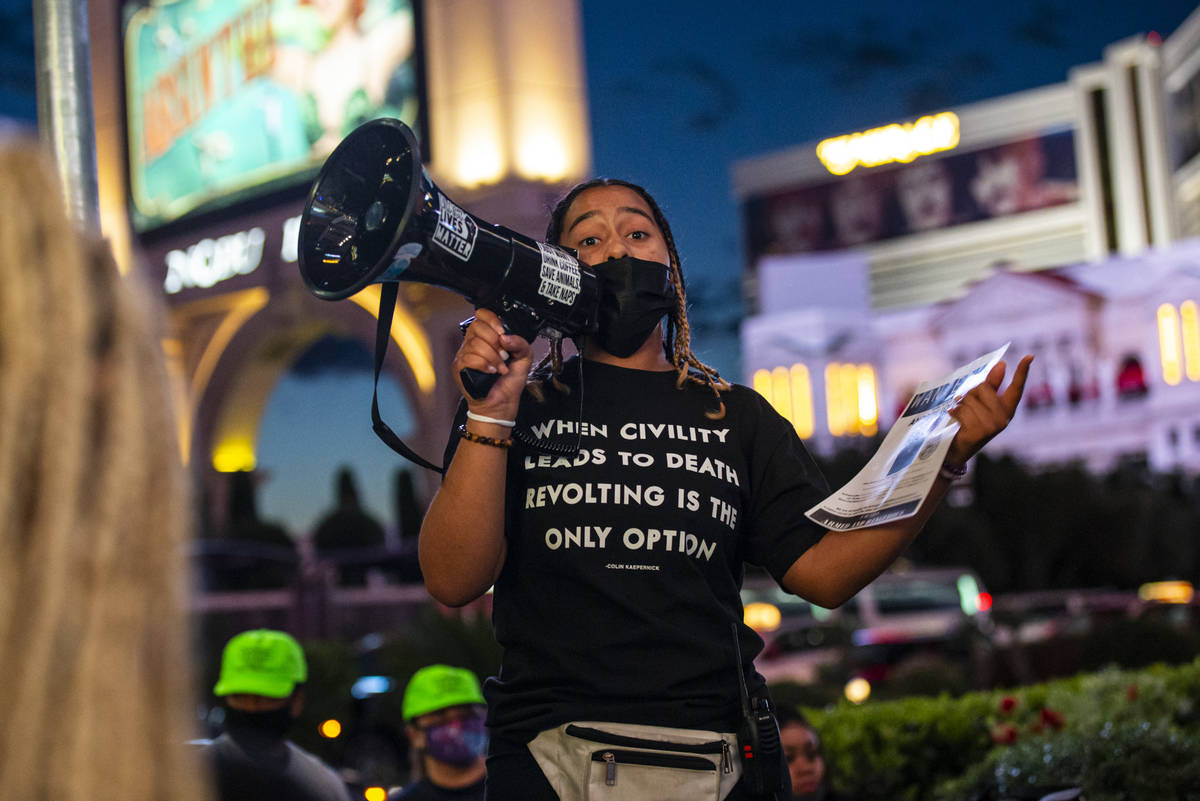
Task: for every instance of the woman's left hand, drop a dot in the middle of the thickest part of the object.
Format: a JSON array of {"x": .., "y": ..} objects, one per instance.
[{"x": 985, "y": 411}]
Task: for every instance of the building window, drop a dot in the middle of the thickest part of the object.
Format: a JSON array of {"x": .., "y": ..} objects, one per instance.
[
  {"x": 789, "y": 390},
  {"x": 1179, "y": 341},
  {"x": 851, "y": 403},
  {"x": 1189, "y": 317},
  {"x": 1168, "y": 344},
  {"x": 1131, "y": 378}
]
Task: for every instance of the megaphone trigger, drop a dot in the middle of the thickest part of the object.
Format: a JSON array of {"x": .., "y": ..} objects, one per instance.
[{"x": 477, "y": 383}]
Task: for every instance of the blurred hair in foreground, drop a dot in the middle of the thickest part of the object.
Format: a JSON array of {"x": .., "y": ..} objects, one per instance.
[{"x": 95, "y": 676}]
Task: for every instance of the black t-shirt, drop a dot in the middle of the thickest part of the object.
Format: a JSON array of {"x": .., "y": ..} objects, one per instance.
[
  {"x": 244, "y": 771},
  {"x": 620, "y": 588},
  {"x": 425, "y": 790}
]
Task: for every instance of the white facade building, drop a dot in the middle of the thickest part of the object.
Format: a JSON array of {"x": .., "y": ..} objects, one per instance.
[{"x": 1062, "y": 220}]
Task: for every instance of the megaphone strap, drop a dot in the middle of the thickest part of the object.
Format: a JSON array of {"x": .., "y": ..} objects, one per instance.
[{"x": 389, "y": 291}]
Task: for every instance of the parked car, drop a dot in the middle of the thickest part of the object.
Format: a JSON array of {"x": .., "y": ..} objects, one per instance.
[
  {"x": 899, "y": 614},
  {"x": 1032, "y": 617}
]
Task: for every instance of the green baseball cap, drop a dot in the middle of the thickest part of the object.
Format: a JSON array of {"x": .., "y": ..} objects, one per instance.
[
  {"x": 261, "y": 662},
  {"x": 438, "y": 687}
]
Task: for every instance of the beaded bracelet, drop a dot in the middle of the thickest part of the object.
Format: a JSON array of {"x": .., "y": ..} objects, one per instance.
[
  {"x": 471, "y": 436},
  {"x": 952, "y": 472}
]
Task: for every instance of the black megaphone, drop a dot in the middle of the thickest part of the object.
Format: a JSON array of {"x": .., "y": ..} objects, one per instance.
[{"x": 374, "y": 216}]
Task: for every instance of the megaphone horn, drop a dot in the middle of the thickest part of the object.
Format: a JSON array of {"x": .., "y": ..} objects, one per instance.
[{"x": 374, "y": 216}]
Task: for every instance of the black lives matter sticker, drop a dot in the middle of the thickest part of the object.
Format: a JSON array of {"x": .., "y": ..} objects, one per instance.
[
  {"x": 560, "y": 275},
  {"x": 455, "y": 230}
]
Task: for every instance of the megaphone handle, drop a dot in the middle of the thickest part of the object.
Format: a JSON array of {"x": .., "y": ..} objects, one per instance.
[
  {"x": 476, "y": 382},
  {"x": 515, "y": 320}
]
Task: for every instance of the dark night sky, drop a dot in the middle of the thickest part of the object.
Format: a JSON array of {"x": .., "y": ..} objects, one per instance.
[{"x": 679, "y": 90}]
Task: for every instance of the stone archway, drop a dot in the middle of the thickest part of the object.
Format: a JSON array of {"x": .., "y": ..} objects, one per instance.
[{"x": 238, "y": 328}]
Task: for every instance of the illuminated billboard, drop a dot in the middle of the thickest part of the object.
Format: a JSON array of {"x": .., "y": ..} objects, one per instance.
[
  {"x": 928, "y": 194},
  {"x": 227, "y": 100}
]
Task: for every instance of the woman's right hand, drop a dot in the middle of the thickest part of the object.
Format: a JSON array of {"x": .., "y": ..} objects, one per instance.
[{"x": 488, "y": 349}]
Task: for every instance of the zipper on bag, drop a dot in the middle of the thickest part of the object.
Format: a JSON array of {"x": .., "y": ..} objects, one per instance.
[
  {"x": 614, "y": 756},
  {"x": 608, "y": 738}
]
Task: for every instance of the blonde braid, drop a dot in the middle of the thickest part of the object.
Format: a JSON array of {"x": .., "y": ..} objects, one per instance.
[
  {"x": 549, "y": 368},
  {"x": 680, "y": 351},
  {"x": 92, "y": 522}
]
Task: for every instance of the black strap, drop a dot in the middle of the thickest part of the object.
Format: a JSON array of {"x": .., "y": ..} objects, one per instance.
[{"x": 387, "y": 303}]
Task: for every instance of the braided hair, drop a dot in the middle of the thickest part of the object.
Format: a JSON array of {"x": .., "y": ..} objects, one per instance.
[{"x": 676, "y": 338}]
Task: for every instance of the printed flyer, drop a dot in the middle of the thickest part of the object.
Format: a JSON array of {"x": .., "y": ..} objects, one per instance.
[{"x": 897, "y": 479}]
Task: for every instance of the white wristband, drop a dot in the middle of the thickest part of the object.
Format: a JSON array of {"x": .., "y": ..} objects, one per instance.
[{"x": 479, "y": 418}]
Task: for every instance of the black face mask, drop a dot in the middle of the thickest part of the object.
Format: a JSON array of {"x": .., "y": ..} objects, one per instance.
[
  {"x": 260, "y": 726},
  {"x": 634, "y": 296}
]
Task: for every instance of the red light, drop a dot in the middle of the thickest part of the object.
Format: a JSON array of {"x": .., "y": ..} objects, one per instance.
[
  {"x": 1154, "y": 38},
  {"x": 985, "y": 601}
]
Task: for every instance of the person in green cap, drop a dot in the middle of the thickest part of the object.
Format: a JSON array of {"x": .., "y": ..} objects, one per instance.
[
  {"x": 262, "y": 688},
  {"x": 443, "y": 710}
]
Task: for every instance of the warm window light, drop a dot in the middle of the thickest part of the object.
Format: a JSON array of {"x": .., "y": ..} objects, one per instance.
[
  {"x": 841, "y": 399},
  {"x": 868, "y": 411},
  {"x": 762, "y": 383},
  {"x": 480, "y": 160},
  {"x": 542, "y": 154},
  {"x": 834, "y": 404},
  {"x": 1190, "y": 319},
  {"x": 789, "y": 391},
  {"x": 848, "y": 378},
  {"x": 781, "y": 392},
  {"x": 851, "y": 407},
  {"x": 802, "y": 403},
  {"x": 234, "y": 455},
  {"x": 890, "y": 143},
  {"x": 1168, "y": 344}
]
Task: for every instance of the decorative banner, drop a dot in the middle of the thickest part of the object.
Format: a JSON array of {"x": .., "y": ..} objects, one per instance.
[
  {"x": 231, "y": 99},
  {"x": 928, "y": 194}
]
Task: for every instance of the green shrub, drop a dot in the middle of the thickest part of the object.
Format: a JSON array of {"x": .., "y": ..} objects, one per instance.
[
  {"x": 901, "y": 749},
  {"x": 1120, "y": 734},
  {"x": 1122, "y": 762}
]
